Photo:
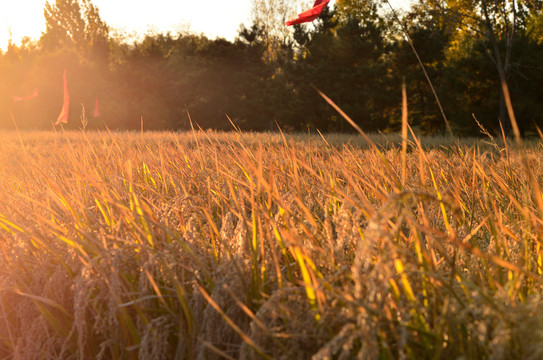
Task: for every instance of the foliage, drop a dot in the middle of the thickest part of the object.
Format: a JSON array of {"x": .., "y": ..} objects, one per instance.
[
  {"x": 496, "y": 26},
  {"x": 75, "y": 23},
  {"x": 355, "y": 52}
]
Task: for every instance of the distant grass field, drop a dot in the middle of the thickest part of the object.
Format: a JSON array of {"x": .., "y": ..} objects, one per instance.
[{"x": 243, "y": 246}]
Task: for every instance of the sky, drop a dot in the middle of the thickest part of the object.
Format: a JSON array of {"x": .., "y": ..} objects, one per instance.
[{"x": 214, "y": 18}]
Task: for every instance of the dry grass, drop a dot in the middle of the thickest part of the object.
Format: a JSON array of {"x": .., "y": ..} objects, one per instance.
[{"x": 208, "y": 245}]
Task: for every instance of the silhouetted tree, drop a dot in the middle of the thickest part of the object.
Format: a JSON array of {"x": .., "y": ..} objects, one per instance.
[{"x": 75, "y": 23}]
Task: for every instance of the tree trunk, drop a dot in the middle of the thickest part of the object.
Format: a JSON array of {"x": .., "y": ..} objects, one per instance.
[{"x": 509, "y": 120}]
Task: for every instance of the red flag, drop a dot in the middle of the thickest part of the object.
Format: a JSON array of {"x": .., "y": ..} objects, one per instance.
[
  {"x": 96, "y": 112},
  {"x": 24, "y": 98},
  {"x": 63, "y": 117},
  {"x": 310, "y": 14}
]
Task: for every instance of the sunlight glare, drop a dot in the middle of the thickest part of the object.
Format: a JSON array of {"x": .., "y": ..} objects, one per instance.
[
  {"x": 19, "y": 19},
  {"x": 213, "y": 17}
]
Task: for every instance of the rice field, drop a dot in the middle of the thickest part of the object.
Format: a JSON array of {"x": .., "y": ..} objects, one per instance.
[{"x": 207, "y": 245}]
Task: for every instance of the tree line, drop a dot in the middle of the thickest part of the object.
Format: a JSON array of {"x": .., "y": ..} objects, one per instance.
[{"x": 358, "y": 53}]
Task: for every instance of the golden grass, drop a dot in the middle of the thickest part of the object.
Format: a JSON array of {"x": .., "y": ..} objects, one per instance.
[{"x": 225, "y": 245}]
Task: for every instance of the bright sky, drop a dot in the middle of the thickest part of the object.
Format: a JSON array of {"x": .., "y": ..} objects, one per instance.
[{"x": 213, "y": 17}]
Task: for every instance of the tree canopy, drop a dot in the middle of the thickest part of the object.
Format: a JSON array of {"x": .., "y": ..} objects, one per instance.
[{"x": 356, "y": 53}]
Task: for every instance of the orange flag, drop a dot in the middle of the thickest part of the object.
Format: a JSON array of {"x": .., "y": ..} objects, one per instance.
[
  {"x": 310, "y": 14},
  {"x": 24, "y": 98},
  {"x": 96, "y": 112},
  {"x": 63, "y": 117}
]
